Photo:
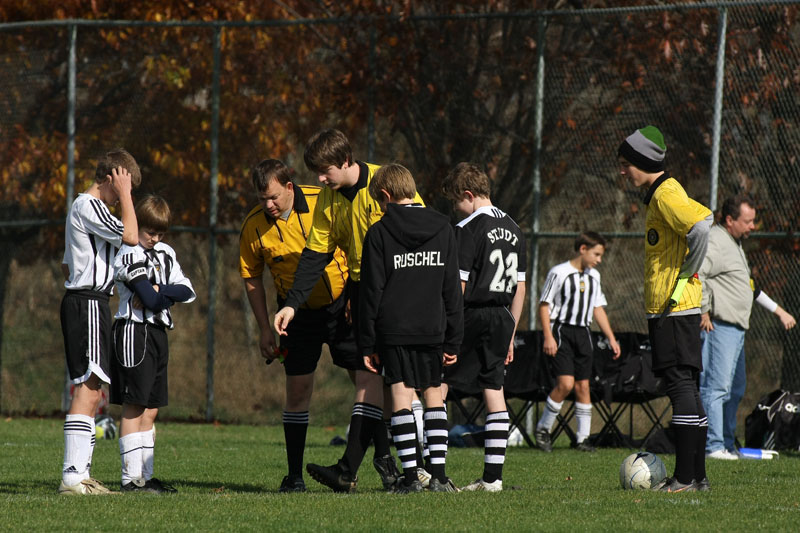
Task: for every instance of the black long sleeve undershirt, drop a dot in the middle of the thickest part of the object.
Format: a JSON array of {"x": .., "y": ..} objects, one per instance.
[{"x": 309, "y": 269}]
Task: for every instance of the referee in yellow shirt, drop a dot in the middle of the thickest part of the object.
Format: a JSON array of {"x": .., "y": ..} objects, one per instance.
[
  {"x": 675, "y": 244},
  {"x": 273, "y": 236}
]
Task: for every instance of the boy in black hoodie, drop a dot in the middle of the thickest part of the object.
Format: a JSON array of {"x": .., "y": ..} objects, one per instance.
[{"x": 411, "y": 316}]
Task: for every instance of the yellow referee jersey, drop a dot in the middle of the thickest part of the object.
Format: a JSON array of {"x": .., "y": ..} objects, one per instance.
[
  {"x": 279, "y": 243},
  {"x": 670, "y": 216},
  {"x": 339, "y": 221}
]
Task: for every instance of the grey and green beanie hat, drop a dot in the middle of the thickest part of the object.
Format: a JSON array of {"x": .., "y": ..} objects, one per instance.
[{"x": 645, "y": 149}]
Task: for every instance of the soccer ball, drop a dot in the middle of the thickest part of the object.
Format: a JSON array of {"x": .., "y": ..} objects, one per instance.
[
  {"x": 641, "y": 470},
  {"x": 515, "y": 437},
  {"x": 104, "y": 428}
]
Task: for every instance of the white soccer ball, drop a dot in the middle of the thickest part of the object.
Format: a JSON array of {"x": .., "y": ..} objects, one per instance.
[
  {"x": 105, "y": 428},
  {"x": 641, "y": 470},
  {"x": 515, "y": 437}
]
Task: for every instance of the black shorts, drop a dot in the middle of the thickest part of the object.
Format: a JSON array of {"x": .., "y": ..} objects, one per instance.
[
  {"x": 676, "y": 342},
  {"x": 86, "y": 326},
  {"x": 575, "y": 349},
  {"x": 139, "y": 366},
  {"x": 309, "y": 330},
  {"x": 417, "y": 366},
  {"x": 481, "y": 361}
]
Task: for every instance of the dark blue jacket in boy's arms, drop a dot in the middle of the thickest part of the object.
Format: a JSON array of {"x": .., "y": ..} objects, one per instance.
[{"x": 410, "y": 286}]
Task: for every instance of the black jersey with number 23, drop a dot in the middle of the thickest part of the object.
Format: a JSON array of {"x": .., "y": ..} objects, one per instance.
[{"x": 491, "y": 257}]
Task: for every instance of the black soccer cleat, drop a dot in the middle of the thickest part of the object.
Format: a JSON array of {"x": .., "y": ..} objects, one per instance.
[
  {"x": 401, "y": 488},
  {"x": 672, "y": 484},
  {"x": 584, "y": 446},
  {"x": 139, "y": 485},
  {"x": 543, "y": 440},
  {"x": 703, "y": 485},
  {"x": 437, "y": 486},
  {"x": 160, "y": 486},
  {"x": 387, "y": 468},
  {"x": 292, "y": 484},
  {"x": 333, "y": 477}
]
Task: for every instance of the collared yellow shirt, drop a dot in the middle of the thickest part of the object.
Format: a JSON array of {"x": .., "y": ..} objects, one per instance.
[
  {"x": 670, "y": 216},
  {"x": 340, "y": 222},
  {"x": 277, "y": 244}
]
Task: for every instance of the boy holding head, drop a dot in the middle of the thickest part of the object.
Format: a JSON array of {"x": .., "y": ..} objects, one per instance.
[{"x": 91, "y": 237}]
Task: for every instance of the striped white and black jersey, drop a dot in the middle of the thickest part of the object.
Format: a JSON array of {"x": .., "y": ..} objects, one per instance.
[
  {"x": 491, "y": 257},
  {"x": 161, "y": 267},
  {"x": 572, "y": 294},
  {"x": 91, "y": 239}
]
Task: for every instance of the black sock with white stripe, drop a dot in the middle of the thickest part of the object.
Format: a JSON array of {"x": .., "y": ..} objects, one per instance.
[
  {"x": 496, "y": 439},
  {"x": 685, "y": 428},
  {"x": 362, "y": 430},
  {"x": 78, "y": 434},
  {"x": 380, "y": 439},
  {"x": 700, "y": 452},
  {"x": 404, "y": 433},
  {"x": 436, "y": 434},
  {"x": 295, "y": 428}
]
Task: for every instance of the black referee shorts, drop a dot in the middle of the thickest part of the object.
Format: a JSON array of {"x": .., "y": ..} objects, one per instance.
[
  {"x": 139, "y": 366},
  {"x": 481, "y": 362},
  {"x": 308, "y": 331},
  {"x": 86, "y": 327},
  {"x": 575, "y": 349},
  {"x": 676, "y": 342},
  {"x": 417, "y": 366}
]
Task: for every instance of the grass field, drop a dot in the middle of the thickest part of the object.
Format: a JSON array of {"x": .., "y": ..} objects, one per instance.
[{"x": 228, "y": 476}]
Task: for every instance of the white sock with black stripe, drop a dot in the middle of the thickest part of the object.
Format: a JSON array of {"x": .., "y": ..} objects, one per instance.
[
  {"x": 130, "y": 453},
  {"x": 78, "y": 434},
  {"x": 419, "y": 419},
  {"x": 583, "y": 414},
  {"x": 148, "y": 452},
  {"x": 91, "y": 450},
  {"x": 551, "y": 410}
]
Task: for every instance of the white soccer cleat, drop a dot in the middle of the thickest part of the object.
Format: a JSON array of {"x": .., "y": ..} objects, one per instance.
[
  {"x": 723, "y": 454},
  {"x": 88, "y": 486},
  {"x": 424, "y": 477},
  {"x": 481, "y": 486}
]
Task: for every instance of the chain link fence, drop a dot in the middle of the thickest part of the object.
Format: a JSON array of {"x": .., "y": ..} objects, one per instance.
[{"x": 542, "y": 99}]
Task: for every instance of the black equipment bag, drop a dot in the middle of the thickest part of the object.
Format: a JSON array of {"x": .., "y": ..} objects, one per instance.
[{"x": 774, "y": 423}]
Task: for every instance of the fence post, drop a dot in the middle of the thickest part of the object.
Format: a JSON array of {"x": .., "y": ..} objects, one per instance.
[
  {"x": 537, "y": 175},
  {"x": 719, "y": 79},
  {"x": 371, "y": 96},
  {"x": 212, "y": 226},
  {"x": 71, "y": 77}
]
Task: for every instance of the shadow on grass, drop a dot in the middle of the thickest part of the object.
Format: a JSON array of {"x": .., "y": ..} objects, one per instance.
[{"x": 223, "y": 488}]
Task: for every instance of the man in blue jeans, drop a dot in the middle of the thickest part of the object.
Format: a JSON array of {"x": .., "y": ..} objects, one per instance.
[{"x": 728, "y": 295}]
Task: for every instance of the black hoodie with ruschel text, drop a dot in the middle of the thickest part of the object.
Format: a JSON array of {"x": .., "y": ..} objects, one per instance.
[{"x": 410, "y": 285}]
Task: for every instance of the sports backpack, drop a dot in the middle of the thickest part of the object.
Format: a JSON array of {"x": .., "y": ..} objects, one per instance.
[{"x": 774, "y": 423}]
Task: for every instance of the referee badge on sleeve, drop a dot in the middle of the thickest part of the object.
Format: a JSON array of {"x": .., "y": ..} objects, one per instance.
[{"x": 652, "y": 237}]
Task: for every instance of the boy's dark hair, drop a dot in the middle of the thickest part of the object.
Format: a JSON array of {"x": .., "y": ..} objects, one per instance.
[
  {"x": 394, "y": 179},
  {"x": 118, "y": 158},
  {"x": 466, "y": 177},
  {"x": 590, "y": 239},
  {"x": 269, "y": 169},
  {"x": 327, "y": 148},
  {"x": 152, "y": 213},
  {"x": 732, "y": 207}
]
